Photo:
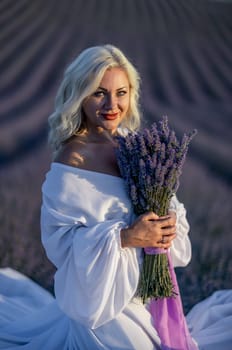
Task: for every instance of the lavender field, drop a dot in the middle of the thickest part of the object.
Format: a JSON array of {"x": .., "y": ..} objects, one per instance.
[{"x": 183, "y": 49}]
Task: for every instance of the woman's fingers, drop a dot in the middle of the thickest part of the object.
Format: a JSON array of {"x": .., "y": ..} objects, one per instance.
[
  {"x": 167, "y": 221},
  {"x": 167, "y": 238},
  {"x": 150, "y": 230},
  {"x": 165, "y": 231},
  {"x": 149, "y": 216}
]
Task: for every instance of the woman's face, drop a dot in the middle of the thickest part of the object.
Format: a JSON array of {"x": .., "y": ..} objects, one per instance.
[{"x": 109, "y": 104}]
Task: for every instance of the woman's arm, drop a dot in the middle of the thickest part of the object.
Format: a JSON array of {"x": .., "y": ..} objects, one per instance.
[{"x": 95, "y": 278}]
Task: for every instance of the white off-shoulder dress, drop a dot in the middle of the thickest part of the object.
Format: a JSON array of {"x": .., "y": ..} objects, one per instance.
[{"x": 96, "y": 279}]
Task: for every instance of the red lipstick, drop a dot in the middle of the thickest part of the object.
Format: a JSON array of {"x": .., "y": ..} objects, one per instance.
[{"x": 110, "y": 116}]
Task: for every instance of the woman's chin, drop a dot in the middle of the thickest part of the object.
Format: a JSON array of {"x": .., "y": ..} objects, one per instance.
[{"x": 111, "y": 125}]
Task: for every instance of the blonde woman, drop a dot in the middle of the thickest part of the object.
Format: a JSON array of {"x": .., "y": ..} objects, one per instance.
[{"x": 98, "y": 98}]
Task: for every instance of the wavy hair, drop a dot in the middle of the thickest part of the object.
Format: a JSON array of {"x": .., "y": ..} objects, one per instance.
[{"x": 81, "y": 79}]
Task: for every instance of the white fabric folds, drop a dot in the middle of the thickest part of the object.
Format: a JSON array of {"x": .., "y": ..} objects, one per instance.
[
  {"x": 96, "y": 279},
  {"x": 82, "y": 215}
]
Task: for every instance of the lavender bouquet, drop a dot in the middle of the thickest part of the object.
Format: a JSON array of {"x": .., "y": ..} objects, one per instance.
[{"x": 151, "y": 163}]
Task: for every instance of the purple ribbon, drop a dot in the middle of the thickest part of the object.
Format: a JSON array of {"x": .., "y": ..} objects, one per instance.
[{"x": 168, "y": 315}]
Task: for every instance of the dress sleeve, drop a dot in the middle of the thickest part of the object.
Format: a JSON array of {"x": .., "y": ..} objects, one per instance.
[
  {"x": 181, "y": 246},
  {"x": 96, "y": 278}
]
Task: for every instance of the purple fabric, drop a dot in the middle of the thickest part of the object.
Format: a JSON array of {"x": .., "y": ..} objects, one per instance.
[{"x": 168, "y": 316}]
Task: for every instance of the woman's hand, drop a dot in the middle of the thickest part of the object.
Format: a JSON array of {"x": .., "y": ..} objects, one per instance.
[{"x": 150, "y": 230}]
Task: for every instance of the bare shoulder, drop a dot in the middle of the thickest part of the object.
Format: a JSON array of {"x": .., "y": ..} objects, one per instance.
[
  {"x": 71, "y": 153},
  {"x": 78, "y": 152}
]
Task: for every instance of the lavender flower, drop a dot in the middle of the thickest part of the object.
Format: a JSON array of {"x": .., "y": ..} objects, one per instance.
[{"x": 151, "y": 163}]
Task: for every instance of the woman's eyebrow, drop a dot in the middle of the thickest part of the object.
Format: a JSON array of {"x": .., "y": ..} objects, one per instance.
[{"x": 123, "y": 87}]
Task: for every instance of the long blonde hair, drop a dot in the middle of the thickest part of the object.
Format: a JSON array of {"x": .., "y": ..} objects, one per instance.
[{"x": 81, "y": 79}]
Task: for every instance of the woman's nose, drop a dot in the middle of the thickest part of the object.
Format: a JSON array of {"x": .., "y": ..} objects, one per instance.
[{"x": 110, "y": 102}]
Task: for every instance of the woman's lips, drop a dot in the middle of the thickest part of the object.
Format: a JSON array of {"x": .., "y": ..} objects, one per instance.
[{"x": 110, "y": 116}]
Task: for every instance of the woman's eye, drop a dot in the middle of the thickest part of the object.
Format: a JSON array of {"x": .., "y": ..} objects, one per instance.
[
  {"x": 98, "y": 94},
  {"x": 122, "y": 93}
]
